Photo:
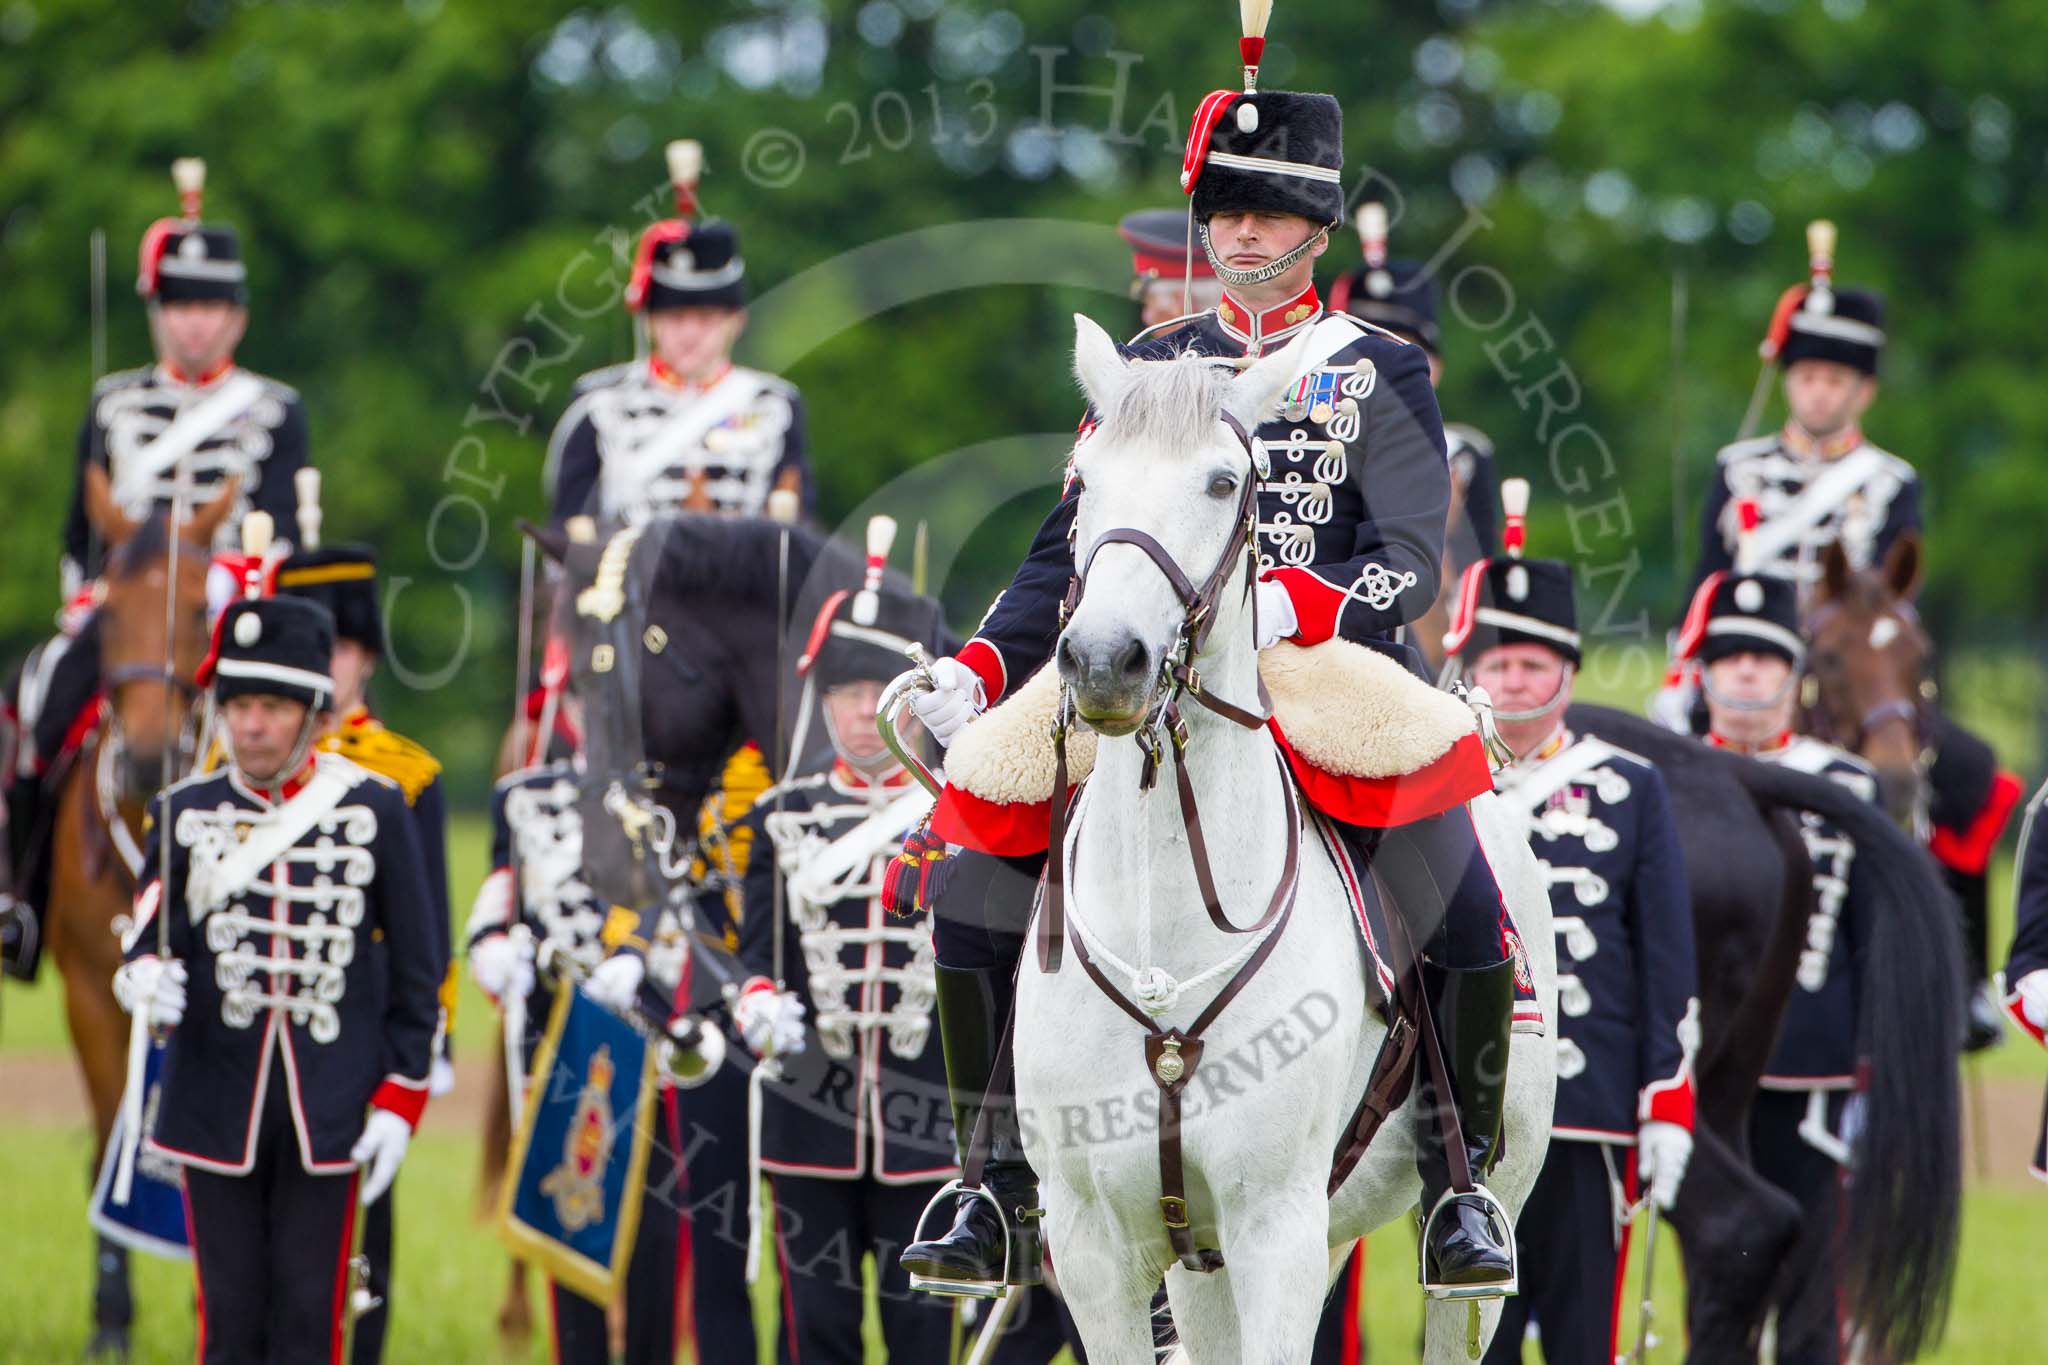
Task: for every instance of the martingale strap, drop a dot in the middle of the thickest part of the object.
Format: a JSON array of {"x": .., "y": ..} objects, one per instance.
[{"x": 1171, "y": 1056}]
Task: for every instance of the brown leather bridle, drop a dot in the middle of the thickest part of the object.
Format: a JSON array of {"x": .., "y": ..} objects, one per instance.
[{"x": 1164, "y": 727}]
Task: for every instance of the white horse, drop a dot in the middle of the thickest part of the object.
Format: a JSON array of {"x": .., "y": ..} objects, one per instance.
[{"x": 1286, "y": 1062}]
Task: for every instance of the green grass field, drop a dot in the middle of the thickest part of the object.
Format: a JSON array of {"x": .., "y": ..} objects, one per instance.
[{"x": 451, "y": 1268}]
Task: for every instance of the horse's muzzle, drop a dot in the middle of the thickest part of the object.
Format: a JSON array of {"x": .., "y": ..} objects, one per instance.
[{"x": 1111, "y": 676}]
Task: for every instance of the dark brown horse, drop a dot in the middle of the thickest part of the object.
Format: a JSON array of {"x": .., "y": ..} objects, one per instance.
[{"x": 148, "y": 655}]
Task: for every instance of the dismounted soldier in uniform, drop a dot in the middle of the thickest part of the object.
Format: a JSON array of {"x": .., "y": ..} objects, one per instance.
[
  {"x": 857, "y": 1135},
  {"x": 538, "y": 882},
  {"x": 1601, "y": 825},
  {"x": 1264, "y": 170},
  {"x": 343, "y": 578},
  {"x": 1399, "y": 294},
  {"x": 1743, "y": 632},
  {"x": 685, "y": 428},
  {"x": 2026, "y": 967},
  {"x": 1169, "y": 283},
  {"x": 193, "y": 410},
  {"x": 298, "y": 979},
  {"x": 1819, "y": 480}
]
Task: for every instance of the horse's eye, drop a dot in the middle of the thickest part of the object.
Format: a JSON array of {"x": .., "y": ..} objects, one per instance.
[{"x": 1222, "y": 485}]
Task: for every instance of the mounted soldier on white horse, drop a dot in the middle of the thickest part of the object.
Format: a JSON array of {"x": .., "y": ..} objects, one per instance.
[{"x": 1332, "y": 453}]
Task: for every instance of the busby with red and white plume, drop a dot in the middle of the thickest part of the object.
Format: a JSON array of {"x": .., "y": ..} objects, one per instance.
[
  {"x": 183, "y": 259},
  {"x": 1512, "y": 600},
  {"x": 1741, "y": 610},
  {"x": 863, "y": 633},
  {"x": 1271, "y": 151},
  {"x": 682, "y": 262},
  {"x": 1819, "y": 321},
  {"x": 1387, "y": 291}
]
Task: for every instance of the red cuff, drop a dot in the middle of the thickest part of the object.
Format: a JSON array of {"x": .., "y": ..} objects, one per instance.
[
  {"x": 1669, "y": 1102},
  {"x": 1969, "y": 851},
  {"x": 405, "y": 1098},
  {"x": 1316, "y": 604},
  {"x": 756, "y": 983},
  {"x": 987, "y": 663},
  {"x": 2019, "y": 1016}
]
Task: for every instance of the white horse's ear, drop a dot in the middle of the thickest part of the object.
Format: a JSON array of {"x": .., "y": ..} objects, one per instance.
[
  {"x": 1254, "y": 395},
  {"x": 1098, "y": 365}
]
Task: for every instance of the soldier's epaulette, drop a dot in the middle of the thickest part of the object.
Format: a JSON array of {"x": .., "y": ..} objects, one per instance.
[
  {"x": 122, "y": 379},
  {"x": 770, "y": 381},
  {"x": 278, "y": 388},
  {"x": 1471, "y": 436},
  {"x": 389, "y": 755},
  {"x": 603, "y": 377},
  {"x": 519, "y": 777},
  {"x": 1754, "y": 445},
  {"x": 1372, "y": 329}
]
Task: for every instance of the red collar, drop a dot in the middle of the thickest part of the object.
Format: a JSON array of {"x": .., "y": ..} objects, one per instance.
[
  {"x": 1799, "y": 442},
  {"x": 178, "y": 376},
  {"x": 1779, "y": 742},
  {"x": 1258, "y": 331},
  {"x": 272, "y": 793},
  {"x": 665, "y": 375},
  {"x": 848, "y": 777},
  {"x": 358, "y": 718}
]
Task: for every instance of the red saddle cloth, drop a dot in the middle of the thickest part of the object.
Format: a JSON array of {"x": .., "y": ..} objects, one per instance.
[{"x": 1021, "y": 828}]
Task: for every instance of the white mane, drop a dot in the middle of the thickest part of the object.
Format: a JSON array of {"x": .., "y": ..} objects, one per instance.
[{"x": 1171, "y": 405}]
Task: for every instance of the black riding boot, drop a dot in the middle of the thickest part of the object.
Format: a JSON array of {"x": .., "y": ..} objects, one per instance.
[
  {"x": 972, "y": 1005},
  {"x": 20, "y": 929},
  {"x": 1984, "y": 1026},
  {"x": 1468, "y": 1246}
]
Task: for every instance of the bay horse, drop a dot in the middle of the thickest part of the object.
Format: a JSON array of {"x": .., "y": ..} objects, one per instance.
[
  {"x": 98, "y": 801},
  {"x": 1751, "y": 888},
  {"x": 1167, "y": 474}
]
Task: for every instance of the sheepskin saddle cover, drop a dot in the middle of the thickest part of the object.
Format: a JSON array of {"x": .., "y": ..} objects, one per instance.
[{"x": 1346, "y": 709}]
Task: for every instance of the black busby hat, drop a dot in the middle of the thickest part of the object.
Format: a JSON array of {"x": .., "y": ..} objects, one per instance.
[
  {"x": 1397, "y": 296},
  {"x": 1272, "y": 151},
  {"x": 682, "y": 263},
  {"x": 685, "y": 265},
  {"x": 1509, "y": 600},
  {"x": 1816, "y": 321},
  {"x": 343, "y": 579},
  {"x": 183, "y": 259},
  {"x": 275, "y": 646},
  {"x": 864, "y": 635},
  {"x": 1845, "y": 326},
  {"x": 1734, "y": 613}
]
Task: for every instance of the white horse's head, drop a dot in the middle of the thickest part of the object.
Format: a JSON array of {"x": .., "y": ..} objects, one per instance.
[{"x": 1163, "y": 460}]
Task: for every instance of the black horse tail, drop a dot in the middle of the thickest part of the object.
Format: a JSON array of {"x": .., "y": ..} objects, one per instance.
[{"x": 1905, "y": 1188}]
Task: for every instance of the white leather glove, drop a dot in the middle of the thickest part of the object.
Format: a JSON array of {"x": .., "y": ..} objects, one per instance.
[
  {"x": 1277, "y": 620},
  {"x": 379, "y": 1150},
  {"x": 440, "y": 1078},
  {"x": 959, "y": 698},
  {"x": 2032, "y": 990},
  {"x": 771, "y": 1021},
  {"x": 1662, "y": 1151},
  {"x": 502, "y": 963},
  {"x": 154, "y": 986},
  {"x": 616, "y": 982}
]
